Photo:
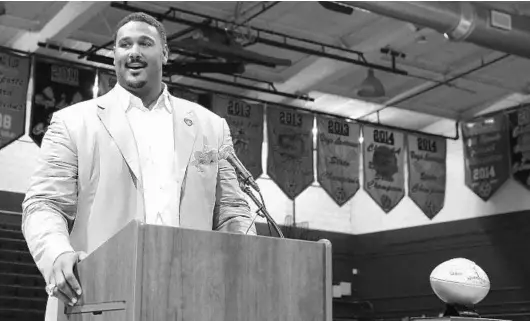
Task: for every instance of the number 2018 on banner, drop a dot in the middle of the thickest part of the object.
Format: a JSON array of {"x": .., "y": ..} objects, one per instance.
[
  {"x": 5, "y": 121},
  {"x": 483, "y": 173}
]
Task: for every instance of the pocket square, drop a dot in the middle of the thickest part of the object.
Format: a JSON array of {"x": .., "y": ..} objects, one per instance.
[{"x": 206, "y": 156}]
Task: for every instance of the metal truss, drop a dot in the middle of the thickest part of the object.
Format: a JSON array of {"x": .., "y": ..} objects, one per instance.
[{"x": 263, "y": 36}]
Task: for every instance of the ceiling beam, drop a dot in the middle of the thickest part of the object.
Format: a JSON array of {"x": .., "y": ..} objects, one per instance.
[
  {"x": 426, "y": 87},
  {"x": 424, "y": 108},
  {"x": 71, "y": 17},
  {"x": 504, "y": 102},
  {"x": 416, "y": 69},
  {"x": 312, "y": 72},
  {"x": 444, "y": 127},
  {"x": 18, "y": 23}
]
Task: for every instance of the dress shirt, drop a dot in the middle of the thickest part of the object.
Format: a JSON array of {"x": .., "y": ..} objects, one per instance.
[{"x": 154, "y": 136}]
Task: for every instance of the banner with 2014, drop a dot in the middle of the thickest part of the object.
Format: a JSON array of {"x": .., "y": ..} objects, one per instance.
[
  {"x": 486, "y": 154},
  {"x": 384, "y": 176}
]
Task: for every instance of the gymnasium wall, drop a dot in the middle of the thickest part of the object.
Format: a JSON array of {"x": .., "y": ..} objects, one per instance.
[{"x": 314, "y": 207}]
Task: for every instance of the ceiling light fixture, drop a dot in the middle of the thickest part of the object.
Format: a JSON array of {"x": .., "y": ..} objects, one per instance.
[
  {"x": 336, "y": 7},
  {"x": 371, "y": 87}
]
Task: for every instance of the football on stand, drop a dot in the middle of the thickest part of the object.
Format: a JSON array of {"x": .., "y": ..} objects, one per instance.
[{"x": 460, "y": 281}]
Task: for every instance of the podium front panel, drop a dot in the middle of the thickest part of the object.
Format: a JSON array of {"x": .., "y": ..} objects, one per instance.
[{"x": 193, "y": 275}]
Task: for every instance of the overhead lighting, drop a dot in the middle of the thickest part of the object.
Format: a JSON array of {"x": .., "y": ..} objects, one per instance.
[{"x": 371, "y": 87}]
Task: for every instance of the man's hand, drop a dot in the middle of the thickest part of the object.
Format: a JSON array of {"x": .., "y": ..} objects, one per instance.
[{"x": 68, "y": 289}]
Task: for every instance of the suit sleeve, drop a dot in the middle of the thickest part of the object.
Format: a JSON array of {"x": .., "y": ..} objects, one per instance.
[
  {"x": 231, "y": 211},
  {"x": 51, "y": 201}
]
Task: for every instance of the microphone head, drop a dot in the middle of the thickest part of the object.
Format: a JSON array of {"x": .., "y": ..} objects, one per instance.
[{"x": 225, "y": 151}]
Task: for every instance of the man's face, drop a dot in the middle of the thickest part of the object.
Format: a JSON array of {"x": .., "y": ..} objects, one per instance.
[{"x": 139, "y": 55}]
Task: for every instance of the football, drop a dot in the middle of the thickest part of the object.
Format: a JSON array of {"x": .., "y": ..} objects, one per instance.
[{"x": 460, "y": 281}]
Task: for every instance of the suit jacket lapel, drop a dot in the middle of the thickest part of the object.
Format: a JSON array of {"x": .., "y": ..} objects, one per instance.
[
  {"x": 185, "y": 128},
  {"x": 113, "y": 117}
]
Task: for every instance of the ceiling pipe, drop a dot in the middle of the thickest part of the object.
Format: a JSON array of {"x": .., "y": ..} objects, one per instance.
[{"x": 460, "y": 21}]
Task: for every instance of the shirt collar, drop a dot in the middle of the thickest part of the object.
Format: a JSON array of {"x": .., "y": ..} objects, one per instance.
[{"x": 129, "y": 100}]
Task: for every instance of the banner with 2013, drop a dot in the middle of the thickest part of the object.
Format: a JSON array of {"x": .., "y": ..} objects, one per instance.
[
  {"x": 246, "y": 126},
  {"x": 290, "y": 154},
  {"x": 338, "y": 155}
]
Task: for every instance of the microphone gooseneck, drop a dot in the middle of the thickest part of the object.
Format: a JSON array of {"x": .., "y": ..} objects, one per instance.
[
  {"x": 245, "y": 182},
  {"x": 227, "y": 152}
]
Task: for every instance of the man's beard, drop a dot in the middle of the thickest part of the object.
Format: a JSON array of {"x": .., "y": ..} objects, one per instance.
[{"x": 136, "y": 84}]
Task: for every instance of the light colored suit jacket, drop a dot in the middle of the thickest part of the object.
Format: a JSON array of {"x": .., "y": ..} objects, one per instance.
[{"x": 89, "y": 178}]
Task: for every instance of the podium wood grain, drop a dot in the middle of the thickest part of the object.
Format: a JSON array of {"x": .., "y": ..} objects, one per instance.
[
  {"x": 110, "y": 277},
  {"x": 155, "y": 273}
]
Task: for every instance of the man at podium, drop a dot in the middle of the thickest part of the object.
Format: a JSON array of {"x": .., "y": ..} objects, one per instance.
[{"x": 135, "y": 153}]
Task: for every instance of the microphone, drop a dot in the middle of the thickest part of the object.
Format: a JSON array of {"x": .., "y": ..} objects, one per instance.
[
  {"x": 245, "y": 179},
  {"x": 227, "y": 152}
]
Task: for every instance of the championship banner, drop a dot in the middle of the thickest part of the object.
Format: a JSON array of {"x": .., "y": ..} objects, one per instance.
[
  {"x": 14, "y": 78},
  {"x": 486, "y": 154},
  {"x": 338, "y": 154},
  {"x": 246, "y": 126},
  {"x": 384, "y": 177},
  {"x": 57, "y": 85},
  {"x": 290, "y": 140},
  {"x": 520, "y": 145},
  {"x": 106, "y": 81},
  {"x": 427, "y": 172}
]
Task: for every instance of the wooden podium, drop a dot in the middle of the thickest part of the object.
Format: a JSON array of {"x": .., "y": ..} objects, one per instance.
[{"x": 157, "y": 273}]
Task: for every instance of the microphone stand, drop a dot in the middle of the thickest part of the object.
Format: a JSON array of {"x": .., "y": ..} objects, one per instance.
[{"x": 261, "y": 207}]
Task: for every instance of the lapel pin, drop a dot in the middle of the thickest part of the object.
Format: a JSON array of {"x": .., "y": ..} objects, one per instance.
[{"x": 188, "y": 121}]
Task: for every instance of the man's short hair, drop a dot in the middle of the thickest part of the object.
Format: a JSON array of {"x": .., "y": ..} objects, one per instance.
[{"x": 143, "y": 17}]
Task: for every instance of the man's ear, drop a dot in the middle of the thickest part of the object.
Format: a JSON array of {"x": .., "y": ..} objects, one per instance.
[
  {"x": 165, "y": 54},
  {"x": 114, "y": 55}
]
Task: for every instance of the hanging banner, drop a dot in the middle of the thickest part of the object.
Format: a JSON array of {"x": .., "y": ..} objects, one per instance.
[
  {"x": 486, "y": 154},
  {"x": 427, "y": 172},
  {"x": 106, "y": 81},
  {"x": 384, "y": 178},
  {"x": 14, "y": 79},
  {"x": 338, "y": 154},
  {"x": 520, "y": 145},
  {"x": 57, "y": 85},
  {"x": 246, "y": 126},
  {"x": 290, "y": 140}
]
